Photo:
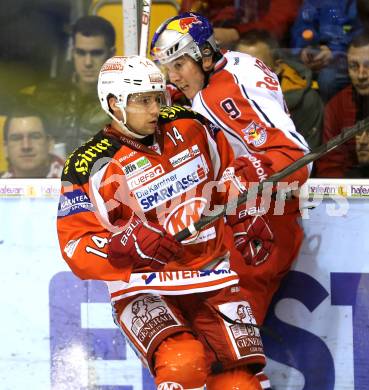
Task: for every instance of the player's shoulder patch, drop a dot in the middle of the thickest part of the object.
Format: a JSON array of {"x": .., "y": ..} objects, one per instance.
[
  {"x": 78, "y": 165},
  {"x": 255, "y": 134},
  {"x": 171, "y": 113}
]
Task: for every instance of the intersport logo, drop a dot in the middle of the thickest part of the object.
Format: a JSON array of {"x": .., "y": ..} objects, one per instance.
[{"x": 170, "y": 386}]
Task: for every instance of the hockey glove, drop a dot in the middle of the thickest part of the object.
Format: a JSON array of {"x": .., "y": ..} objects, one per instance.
[
  {"x": 237, "y": 178},
  {"x": 253, "y": 168},
  {"x": 253, "y": 238},
  {"x": 252, "y": 234},
  {"x": 143, "y": 244}
]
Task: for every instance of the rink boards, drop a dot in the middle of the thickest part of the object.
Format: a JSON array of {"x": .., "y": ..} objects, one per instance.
[{"x": 57, "y": 331}]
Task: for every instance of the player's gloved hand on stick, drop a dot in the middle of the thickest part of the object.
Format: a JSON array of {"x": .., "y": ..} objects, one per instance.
[
  {"x": 252, "y": 234},
  {"x": 143, "y": 244},
  {"x": 253, "y": 168},
  {"x": 253, "y": 238}
]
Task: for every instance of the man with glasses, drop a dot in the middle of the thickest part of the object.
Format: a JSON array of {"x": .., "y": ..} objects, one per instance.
[
  {"x": 72, "y": 105},
  {"x": 28, "y": 146}
]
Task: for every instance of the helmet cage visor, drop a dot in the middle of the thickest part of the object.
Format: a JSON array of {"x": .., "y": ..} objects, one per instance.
[
  {"x": 165, "y": 53},
  {"x": 142, "y": 101},
  {"x": 186, "y": 33}
]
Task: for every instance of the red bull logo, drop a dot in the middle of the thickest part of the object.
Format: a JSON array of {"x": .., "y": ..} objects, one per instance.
[
  {"x": 183, "y": 25},
  {"x": 255, "y": 134},
  {"x": 156, "y": 51}
]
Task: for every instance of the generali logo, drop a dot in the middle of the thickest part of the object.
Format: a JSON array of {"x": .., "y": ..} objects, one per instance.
[
  {"x": 184, "y": 215},
  {"x": 149, "y": 317}
]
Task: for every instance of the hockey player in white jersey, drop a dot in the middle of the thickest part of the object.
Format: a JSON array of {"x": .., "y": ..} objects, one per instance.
[{"x": 242, "y": 96}]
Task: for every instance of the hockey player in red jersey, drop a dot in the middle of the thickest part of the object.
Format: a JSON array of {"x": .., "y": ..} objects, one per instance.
[
  {"x": 125, "y": 193},
  {"x": 242, "y": 96}
]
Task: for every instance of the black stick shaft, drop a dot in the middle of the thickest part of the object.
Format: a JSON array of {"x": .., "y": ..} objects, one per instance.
[{"x": 346, "y": 134}]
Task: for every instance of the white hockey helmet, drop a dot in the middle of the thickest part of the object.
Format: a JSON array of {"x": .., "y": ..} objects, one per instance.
[
  {"x": 186, "y": 33},
  {"x": 123, "y": 76}
]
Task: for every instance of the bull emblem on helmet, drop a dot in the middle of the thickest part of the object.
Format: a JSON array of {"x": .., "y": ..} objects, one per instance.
[{"x": 183, "y": 25}]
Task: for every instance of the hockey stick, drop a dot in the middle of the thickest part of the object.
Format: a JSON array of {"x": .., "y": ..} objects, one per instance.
[
  {"x": 345, "y": 135},
  {"x": 145, "y": 26},
  {"x": 130, "y": 27}
]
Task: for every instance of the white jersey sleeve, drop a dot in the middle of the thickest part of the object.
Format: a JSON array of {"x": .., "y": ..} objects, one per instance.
[{"x": 244, "y": 98}]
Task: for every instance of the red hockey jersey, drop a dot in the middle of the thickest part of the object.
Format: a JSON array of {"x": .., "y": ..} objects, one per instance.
[{"x": 111, "y": 177}]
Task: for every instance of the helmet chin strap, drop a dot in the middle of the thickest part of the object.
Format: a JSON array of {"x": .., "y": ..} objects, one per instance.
[{"x": 123, "y": 124}]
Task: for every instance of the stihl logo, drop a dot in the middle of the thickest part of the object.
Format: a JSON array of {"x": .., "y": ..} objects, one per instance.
[{"x": 170, "y": 386}]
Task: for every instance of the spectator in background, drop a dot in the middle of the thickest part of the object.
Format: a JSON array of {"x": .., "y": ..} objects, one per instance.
[
  {"x": 233, "y": 18},
  {"x": 363, "y": 12},
  {"x": 29, "y": 145},
  {"x": 31, "y": 35},
  {"x": 322, "y": 33},
  {"x": 344, "y": 109},
  {"x": 303, "y": 102},
  {"x": 362, "y": 155},
  {"x": 72, "y": 105}
]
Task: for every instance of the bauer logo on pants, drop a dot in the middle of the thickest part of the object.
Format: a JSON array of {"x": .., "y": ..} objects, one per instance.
[{"x": 243, "y": 332}]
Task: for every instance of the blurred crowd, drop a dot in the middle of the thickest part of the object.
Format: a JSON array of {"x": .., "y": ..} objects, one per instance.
[{"x": 50, "y": 60}]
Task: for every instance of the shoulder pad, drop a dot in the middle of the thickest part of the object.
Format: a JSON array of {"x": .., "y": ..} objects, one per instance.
[
  {"x": 79, "y": 164},
  {"x": 171, "y": 113}
]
